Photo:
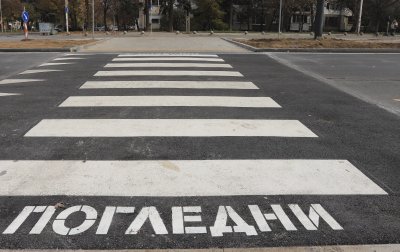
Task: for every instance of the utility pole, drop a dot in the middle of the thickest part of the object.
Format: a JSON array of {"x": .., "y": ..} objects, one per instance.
[
  {"x": 66, "y": 16},
  {"x": 1, "y": 18},
  {"x": 92, "y": 19},
  {"x": 280, "y": 19},
  {"x": 151, "y": 16},
  {"x": 319, "y": 19},
  {"x": 360, "y": 17}
]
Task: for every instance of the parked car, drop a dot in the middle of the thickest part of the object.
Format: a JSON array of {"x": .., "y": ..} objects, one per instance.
[
  {"x": 59, "y": 28},
  {"x": 100, "y": 28},
  {"x": 113, "y": 28}
]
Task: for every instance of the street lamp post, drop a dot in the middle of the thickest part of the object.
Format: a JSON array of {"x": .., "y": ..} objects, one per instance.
[
  {"x": 280, "y": 19},
  {"x": 360, "y": 17},
  {"x": 93, "y": 19},
  {"x": 66, "y": 17}
]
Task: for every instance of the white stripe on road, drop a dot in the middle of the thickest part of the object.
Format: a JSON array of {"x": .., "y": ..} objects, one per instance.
[
  {"x": 170, "y": 84},
  {"x": 168, "y": 73},
  {"x": 170, "y": 59},
  {"x": 167, "y": 55},
  {"x": 14, "y": 81},
  {"x": 40, "y": 71},
  {"x": 184, "y": 178},
  {"x": 70, "y": 58},
  {"x": 8, "y": 94},
  {"x": 169, "y": 101},
  {"x": 397, "y": 99},
  {"x": 55, "y": 64},
  {"x": 168, "y": 128},
  {"x": 78, "y": 54},
  {"x": 172, "y": 65}
]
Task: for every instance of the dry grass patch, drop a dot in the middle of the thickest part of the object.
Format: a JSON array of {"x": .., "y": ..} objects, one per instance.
[
  {"x": 43, "y": 43},
  {"x": 324, "y": 43}
]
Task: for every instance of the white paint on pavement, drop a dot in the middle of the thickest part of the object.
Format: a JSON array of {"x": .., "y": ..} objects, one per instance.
[
  {"x": 8, "y": 94},
  {"x": 170, "y": 59},
  {"x": 40, "y": 71},
  {"x": 184, "y": 178},
  {"x": 168, "y": 73},
  {"x": 167, "y": 55},
  {"x": 170, "y": 101},
  {"x": 14, "y": 81},
  {"x": 168, "y": 128},
  {"x": 69, "y": 58},
  {"x": 170, "y": 84},
  {"x": 77, "y": 54},
  {"x": 171, "y": 65},
  {"x": 55, "y": 64}
]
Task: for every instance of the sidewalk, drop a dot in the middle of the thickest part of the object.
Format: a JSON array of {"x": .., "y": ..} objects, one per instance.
[{"x": 164, "y": 42}]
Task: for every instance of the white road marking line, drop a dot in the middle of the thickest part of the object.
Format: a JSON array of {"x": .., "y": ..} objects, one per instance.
[
  {"x": 170, "y": 59},
  {"x": 55, "y": 64},
  {"x": 40, "y": 71},
  {"x": 167, "y": 55},
  {"x": 77, "y": 54},
  {"x": 184, "y": 178},
  {"x": 70, "y": 58},
  {"x": 397, "y": 100},
  {"x": 170, "y": 101},
  {"x": 168, "y": 128},
  {"x": 170, "y": 84},
  {"x": 168, "y": 73},
  {"x": 203, "y": 65},
  {"x": 8, "y": 94},
  {"x": 14, "y": 81}
]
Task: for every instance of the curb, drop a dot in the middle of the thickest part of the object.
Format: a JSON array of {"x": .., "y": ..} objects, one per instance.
[
  {"x": 82, "y": 47},
  {"x": 35, "y": 49},
  {"x": 314, "y": 50}
]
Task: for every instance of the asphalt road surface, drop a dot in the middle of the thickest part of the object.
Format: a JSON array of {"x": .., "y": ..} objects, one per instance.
[
  {"x": 108, "y": 151},
  {"x": 14, "y": 63},
  {"x": 373, "y": 78}
]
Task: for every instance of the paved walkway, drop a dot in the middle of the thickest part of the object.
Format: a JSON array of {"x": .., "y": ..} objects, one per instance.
[{"x": 164, "y": 43}]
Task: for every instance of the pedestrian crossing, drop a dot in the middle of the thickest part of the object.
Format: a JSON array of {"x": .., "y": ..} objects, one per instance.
[
  {"x": 231, "y": 85},
  {"x": 170, "y": 101},
  {"x": 180, "y": 177},
  {"x": 184, "y": 178},
  {"x": 168, "y": 73},
  {"x": 186, "y": 59}
]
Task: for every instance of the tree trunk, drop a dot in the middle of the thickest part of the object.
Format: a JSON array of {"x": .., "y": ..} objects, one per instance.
[
  {"x": 147, "y": 14},
  {"x": 171, "y": 16},
  {"x": 319, "y": 20},
  {"x": 230, "y": 15},
  {"x": 87, "y": 14},
  {"x": 105, "y": 8}
]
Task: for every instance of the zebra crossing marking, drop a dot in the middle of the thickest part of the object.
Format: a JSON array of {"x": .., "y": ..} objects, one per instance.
[
  {"x": 169, "y": 101},
  {"x": 182, "y": 178},
  {"x": 40, "y": 71},
  {"x": 16, "y": 81},
  {"x": 171, "y": 65},
  {"x": 169, "y": 84},
  {"x": 69, "y": 58},
  {"x": 168, "y": 73},
  {"x": 55, "y": 64},
  {"x": 77, "y": 54},
  {"x": 170, "y": 59},
  {"x": 167, "y": 54},
  {"x": 168, "y": 128},
  {"x": 9, "y": 94}
]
